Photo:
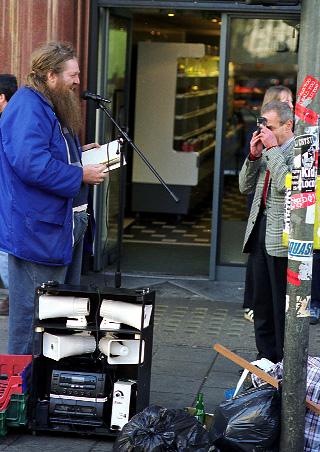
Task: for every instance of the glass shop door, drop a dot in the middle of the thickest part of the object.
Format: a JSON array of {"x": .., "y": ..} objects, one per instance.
[{"x": 262, "y": 53}]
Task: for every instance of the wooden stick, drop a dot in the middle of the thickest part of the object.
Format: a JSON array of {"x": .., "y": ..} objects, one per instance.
[
  {"x": 246, "y": 365},
  {"x": 259, "y": 372}
]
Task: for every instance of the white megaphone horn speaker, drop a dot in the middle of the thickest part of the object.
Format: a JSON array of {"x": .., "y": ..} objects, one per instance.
[
  {"x": 52, "y": 306},
  {"x": 127, "y": 313},
  {"x": 57, "y": 346},
  {"x": 121, "y": 351}
]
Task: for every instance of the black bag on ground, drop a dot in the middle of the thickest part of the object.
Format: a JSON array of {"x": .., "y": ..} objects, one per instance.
[
  {"x": 250, "y": 422},
  {"x": 158, "y": 429}
]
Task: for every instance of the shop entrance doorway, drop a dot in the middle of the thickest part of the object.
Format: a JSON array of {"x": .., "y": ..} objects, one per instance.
[{"x": 171, "y": 98}]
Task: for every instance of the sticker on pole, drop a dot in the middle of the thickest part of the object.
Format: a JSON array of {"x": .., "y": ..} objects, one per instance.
[
  {"x": 296, "y": 179},
  {"x": 302, "y": 200},
  {"x": 309, "y": 164},
  {"x": 308, "y": 90},
  {"x": 305, "y": 271},
  {"x": 305, "y": 140},
  {"x": 299, "y": 250},
  {"x": 310, "y": 214},
  {"x": 302, "y": 305}
]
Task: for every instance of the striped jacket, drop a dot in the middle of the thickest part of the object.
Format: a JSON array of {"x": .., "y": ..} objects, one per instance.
[{"x": 278, "y": 161}]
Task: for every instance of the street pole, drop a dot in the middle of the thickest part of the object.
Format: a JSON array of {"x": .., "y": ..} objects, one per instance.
[{"x": 301, "y": 231}]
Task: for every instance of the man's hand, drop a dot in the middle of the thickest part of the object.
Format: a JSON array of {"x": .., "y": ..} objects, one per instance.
[
  {"x": 256, "y": 145},
  {"x": 268, "y": 138},
  {"x": 94, "y": 174},
  {"x": 86, "y": 147}
]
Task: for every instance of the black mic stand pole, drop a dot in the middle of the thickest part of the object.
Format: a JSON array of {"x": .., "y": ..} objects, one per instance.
[{"x": 126, "y": 138}]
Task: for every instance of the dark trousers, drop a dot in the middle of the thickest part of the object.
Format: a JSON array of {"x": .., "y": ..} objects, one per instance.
[
  {"x": 269, "y": 295},
  {"x": 315, "y": 283},
  {"x": 248, "y": 286}
]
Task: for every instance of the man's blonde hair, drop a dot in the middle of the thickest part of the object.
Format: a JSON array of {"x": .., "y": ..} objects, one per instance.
[{"x": 48, "y": 57}]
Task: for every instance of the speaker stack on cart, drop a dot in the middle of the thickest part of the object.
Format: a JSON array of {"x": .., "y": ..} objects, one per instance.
[{"x": 92, "y": 360}]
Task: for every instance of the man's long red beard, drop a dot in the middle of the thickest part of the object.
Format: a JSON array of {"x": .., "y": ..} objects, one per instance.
[{"x": 66, "y": 106}]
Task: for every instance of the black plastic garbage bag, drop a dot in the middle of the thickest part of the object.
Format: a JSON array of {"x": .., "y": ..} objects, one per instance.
[
  {"x": 249, "y": 422},
  {"x": 158, "y": 429}
]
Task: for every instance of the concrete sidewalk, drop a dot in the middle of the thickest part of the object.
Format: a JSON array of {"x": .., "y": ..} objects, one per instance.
[{"x": 190, "y": 317}]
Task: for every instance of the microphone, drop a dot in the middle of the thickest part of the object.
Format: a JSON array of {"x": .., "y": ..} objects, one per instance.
[{"x": 89, "y": 96}]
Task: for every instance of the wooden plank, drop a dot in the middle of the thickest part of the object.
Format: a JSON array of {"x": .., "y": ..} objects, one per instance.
[
  {"x": 246, "y": 365},
  {"x": 259, "y": 372}
]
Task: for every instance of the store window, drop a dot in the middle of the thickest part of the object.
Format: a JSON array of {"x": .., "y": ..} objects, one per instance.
[{"x": 263, "y": 52}]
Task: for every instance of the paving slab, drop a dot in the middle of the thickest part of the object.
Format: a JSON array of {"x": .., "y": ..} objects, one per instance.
[
  {"x": 181, "y": 353},
  {"x": 172, "y": 399},
  {"x": 180, "y": 367},
  {"x": 176, "y": 384}
]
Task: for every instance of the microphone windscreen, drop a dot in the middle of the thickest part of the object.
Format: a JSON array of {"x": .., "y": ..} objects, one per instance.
[{"x": 84, "y": 95}]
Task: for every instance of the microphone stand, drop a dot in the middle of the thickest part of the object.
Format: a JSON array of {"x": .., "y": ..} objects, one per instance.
[{"x": 125, "y": 138}]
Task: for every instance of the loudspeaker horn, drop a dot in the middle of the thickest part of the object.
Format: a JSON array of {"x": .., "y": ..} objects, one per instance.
[
  {"x": 52, "y": 306},
  {"x": 122, "y": 312},
  {"x": 121, "y": 351},
  {"x": 56, "y": 346}
]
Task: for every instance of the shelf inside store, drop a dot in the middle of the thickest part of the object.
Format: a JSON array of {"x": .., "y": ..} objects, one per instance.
[
  {"x": 184, "y": 75},
  {"x": 204, "y": 92},
  {"x": 210, "y": 125},
  {"x": 204, "y": 152},
  {"x": 198, "y": 112}
]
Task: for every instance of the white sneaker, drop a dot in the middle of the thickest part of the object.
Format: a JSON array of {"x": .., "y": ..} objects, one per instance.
[{"x": 248, "y": 314}]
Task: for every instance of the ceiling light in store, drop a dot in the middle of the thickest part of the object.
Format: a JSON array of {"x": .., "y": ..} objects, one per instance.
[
  {"x": 214, "y": 20},
  {"x": 171, "y": 13}
]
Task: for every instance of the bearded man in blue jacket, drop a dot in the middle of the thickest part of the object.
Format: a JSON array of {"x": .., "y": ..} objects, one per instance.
[{"x": 40, "y": 177}]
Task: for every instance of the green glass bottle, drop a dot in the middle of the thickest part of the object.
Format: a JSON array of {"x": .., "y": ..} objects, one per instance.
[{"x": 200, "y": 413}]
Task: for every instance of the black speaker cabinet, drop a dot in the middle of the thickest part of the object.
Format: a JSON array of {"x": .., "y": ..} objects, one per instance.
[{"x": 92, "y": 358}]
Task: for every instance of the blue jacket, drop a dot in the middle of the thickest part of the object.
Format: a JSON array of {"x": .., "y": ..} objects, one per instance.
[{"x": 37, "y": 183}]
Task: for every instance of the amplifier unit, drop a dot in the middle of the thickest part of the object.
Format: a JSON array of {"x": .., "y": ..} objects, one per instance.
[
  {"x": 74, "y": 410},
  {"x": 78, "y": 384}
]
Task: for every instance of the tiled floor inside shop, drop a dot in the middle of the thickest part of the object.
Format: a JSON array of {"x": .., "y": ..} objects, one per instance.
[{"x": 193, "y": 229}]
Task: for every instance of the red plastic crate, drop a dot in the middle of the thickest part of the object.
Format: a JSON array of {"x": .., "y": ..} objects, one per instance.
[
  {"x": 13, "y": 376},
  {"x": 14, "y": 364}
]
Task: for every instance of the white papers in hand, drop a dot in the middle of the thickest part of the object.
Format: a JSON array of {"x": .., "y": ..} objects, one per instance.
[{"x": 108, "y": 154}]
